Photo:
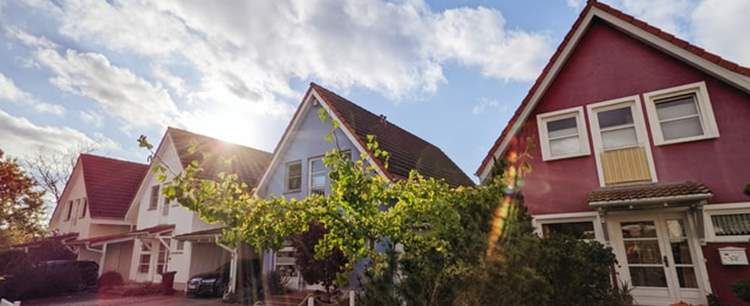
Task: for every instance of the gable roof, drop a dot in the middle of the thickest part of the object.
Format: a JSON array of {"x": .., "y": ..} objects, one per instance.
[
  {"x": 110, "y": 184},
  {"x": 248, "y": 163},
  {"x": 724, "y": 69},
  {"x": 407, "y": 151}
]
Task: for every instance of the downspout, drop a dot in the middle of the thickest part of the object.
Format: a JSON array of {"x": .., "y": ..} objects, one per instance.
[
  {"x": 232, "y": 264},
  {"x": 101, "y": 253}
]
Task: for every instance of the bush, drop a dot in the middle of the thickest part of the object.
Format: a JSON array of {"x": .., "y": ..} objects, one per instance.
[
  {"x": 742, "y": 290},
  {"x": 277, "y": 283},
  {"x": 110, "y": 279}
]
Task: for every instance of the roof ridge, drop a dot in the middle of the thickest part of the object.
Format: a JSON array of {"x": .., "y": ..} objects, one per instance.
[
  {"x": 179, "y": 130},
  {"x": 111, "y": 158}
]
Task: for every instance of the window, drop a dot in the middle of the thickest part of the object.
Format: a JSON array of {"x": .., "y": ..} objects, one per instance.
[
  {"x": 318, "y": 176},
  {"x": 70, "y": 210},
  {"x": 727, "y": 222},
  {"x": 144, "y": 261},
  {"x": 179, "y": 245},
  {"x": 154, "y": 198},
  {"x": 617, "y": 128},
  {"x": 579, "y": 230},
  {"x": 563, "y": 134},
  {"x": 161, "y": 261},
  {"x": 85, "y": 206},
  {"x": 165, "y": 207},
  {"x": 681, "y": 114},
  {"x": 294, "y": 176}
]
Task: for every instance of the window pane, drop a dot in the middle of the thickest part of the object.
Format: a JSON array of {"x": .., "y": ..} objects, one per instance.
[
  {"x": 643, "y": 252},
  {"x": 294, "y": 176},
  {"x": 644, "y": 229},
  {"x": 564, "y": 146},
  {"x": 318, "y": 180},
  {"x": 648, "y": 276},
  {"x": 677, "y": 107},
  {"x": 562, "y": 127},
  {"x": 682, "y": 128},
  {"x": 294, "y": 183},
  {"x": 731, "y": 225},
  {"x": 615, "y": 117},
  {"x": 686, "y": 277},
  {"x": 578, "y": 230},
  {"x": 681, "y": 252},
  {"x": 316, "y": 165},
  {"x": 675, "y": 229},
  {"x": 619, "y": 138}
]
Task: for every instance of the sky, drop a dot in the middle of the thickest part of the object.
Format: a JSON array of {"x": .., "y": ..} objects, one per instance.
[{"x": 101, "y": 73}]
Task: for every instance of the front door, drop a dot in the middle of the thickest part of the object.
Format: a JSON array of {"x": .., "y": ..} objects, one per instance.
[{"x": 657, "y": 259}]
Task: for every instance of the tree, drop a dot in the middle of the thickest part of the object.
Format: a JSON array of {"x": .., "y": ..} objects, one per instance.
[
  {"x": 21, "y": 204},
  {"x": 51, "y": 169},
  {"x": 317, "y": 271}
]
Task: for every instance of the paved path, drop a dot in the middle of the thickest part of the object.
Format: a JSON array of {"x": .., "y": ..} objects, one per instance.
[{"x": 101, "y": 300}]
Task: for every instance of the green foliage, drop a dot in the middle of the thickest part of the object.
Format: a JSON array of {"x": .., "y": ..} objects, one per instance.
[
  {"x": 742, "y": 290},
  {"x": 21, "y": 205},
  {"x": 747, "y": 189}
]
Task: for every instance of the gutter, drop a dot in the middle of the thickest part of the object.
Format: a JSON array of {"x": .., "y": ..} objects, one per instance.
[{"x": 680, "y": 198}]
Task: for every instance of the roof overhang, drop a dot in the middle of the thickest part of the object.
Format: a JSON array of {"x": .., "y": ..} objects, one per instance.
[
  {"x": 696, "y": 57},
  {"x": 211, "y": 235},
  {"x": 652, "y": 203},
  {"x": 649, "y": 196}
]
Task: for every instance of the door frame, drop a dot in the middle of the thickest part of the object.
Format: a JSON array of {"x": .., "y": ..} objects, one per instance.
[{"x": 649, "y": 296}]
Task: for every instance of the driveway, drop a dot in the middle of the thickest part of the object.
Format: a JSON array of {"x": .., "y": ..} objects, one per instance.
[{"x": 92, "y": 299}]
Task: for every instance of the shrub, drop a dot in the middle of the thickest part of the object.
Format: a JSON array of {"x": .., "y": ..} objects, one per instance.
[
  {"x": 742, "y": 290},
  {"x": 277, "y": 283},
  {"x": 110, "y": 279}
]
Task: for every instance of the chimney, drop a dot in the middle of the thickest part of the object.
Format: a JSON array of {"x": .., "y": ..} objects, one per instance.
[{"x": 383, "y": 119}]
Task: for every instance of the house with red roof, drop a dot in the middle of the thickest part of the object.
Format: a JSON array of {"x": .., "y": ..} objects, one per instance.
[
  {"x": 170, "y": 238},
  {"x": 297, "y": 168},
  {"x": 639, "y": 140},
  {"x": 93, "y": 204}
]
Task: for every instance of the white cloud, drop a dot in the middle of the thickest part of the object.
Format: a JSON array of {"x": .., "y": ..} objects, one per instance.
[
  {"x": 485, "y": 104},
  {"x": 721, "y": 26},
  {"x": 576, "y": 4},
  {"x": 115, "y": 90},
  {"x": 10, "y": 92},
  {"x": 250, "y": 50},
  {"x": 20, "y": 137},
  {"x": 91, "y": 117}
]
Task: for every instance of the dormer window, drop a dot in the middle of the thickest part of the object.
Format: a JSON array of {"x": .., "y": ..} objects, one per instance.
[
  {"x": 563, "y": 134},
  {"x": 681, "y": 114},
  {"x": 154, "y": 198}
]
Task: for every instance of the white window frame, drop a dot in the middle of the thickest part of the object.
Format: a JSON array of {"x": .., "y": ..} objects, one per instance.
[
  {"x": 583, "y": 136},
  {"x": 145, "y": 249},
  {"x": 723, "y": 209},
  {"x": 286, "y": 176},
  {"x": 590, "y": 216},
  {"x": 640, "y": 131},
  {"x": 705, "y": 112},
  {"x": 151, "y": 204},
  {"x": 310, "y": 174}
]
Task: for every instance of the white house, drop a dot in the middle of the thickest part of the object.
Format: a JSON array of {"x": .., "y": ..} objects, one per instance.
[
  {"x": 158, "y": 222},
  {"x": 93, "y": 206},
  {"x": 297, "y": 169}
]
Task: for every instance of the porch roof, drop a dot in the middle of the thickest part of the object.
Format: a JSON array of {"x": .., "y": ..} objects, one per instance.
[
  {"x": 654, "y": 193},
  {"x": 123, "y": 236},
  {"x": 200, "y": 235}
]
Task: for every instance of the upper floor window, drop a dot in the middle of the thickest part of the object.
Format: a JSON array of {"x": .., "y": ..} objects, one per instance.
[
  {"x": 681, "y": 114},
  {"x": 165, "y": 207},
  {"x": 563, "y": 134},
  {"x": 317, "y": 176},
  {"x": 293, "y": 176},
  {"x": 70, "y": 210},
  {"x": 154, "y": 198},
  {"x": 85, "y": 206},
  {"x": 617, "y": 128}
]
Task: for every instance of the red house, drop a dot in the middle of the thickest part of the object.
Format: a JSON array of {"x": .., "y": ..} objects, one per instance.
[{"x": 640, "y": 140}]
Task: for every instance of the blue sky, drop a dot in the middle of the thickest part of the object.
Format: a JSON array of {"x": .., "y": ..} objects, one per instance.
[{"x": 452, "y": 72}]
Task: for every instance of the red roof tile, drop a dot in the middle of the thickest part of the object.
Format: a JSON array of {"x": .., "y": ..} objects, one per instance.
[
  {"x": 647, "y": 191},
  {"x": 407, "y": 151},
  {"x": 111, "y": 184},
  {"x": 248, "y": 163},
  {"x": 727, "y": 64}
]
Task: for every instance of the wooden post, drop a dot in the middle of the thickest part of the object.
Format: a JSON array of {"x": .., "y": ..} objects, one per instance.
[
  {"x": 310, "y": 301},
  {"x": 351, "y": 297}
]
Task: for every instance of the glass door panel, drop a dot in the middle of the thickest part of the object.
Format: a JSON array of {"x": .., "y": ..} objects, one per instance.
[
  {"x": 643, "y": 254},
  {"x": 681, "y": 255}
]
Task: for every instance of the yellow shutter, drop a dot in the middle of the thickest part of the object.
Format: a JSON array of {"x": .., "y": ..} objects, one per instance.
[{"x": 628, "y": 165}]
